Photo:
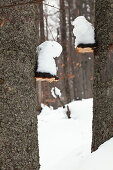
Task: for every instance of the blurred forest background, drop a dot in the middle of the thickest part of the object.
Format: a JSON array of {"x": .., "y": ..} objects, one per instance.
[{"x": 75, "y": 70}]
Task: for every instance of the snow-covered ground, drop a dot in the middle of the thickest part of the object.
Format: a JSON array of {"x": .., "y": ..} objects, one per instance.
[
  {"x": 65, "y": 144},
  {"x": 102, "y": 159}
]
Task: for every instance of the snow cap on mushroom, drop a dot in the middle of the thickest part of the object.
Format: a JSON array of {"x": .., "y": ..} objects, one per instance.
[
  {"x": 47, "y": 51},
  {"x": 83, "y": 31}
]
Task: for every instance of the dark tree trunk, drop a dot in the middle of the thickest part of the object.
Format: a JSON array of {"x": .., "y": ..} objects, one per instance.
[
  {"x": 103, "y": 82},
  {"x": 64, "y": 46},
  {"x": 19, "y": 140},
  {"x": 71, "y": 52},
  {"x": 42, "y": 33},
  {"x": 39, "y": 84}
]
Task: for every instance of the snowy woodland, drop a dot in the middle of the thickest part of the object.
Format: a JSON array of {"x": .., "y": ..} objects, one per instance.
[{"x": 57, "y": 84}]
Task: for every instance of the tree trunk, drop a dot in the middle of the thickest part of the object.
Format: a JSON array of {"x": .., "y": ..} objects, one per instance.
[
  {"x": 39, "y": 84},
  {"x": 103, "y": 82},
  {"x": 42, "y": 33},
  {"x": 71, "y": 52},
  {"x": 19, "y": 140},
  {"x": 64, "y": 46}
]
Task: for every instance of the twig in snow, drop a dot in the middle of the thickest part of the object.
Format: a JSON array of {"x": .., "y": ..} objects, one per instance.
[{"x": 68, "y": 112}]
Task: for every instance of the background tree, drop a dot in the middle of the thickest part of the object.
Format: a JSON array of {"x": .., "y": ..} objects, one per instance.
[
  {"x": 63, "y": 31},
  {"x": 41, "y": 34},
  {"x": 103, "y": 73},
  {"x": 77, "y": 68},
  {"x": 19, "y": 140}
]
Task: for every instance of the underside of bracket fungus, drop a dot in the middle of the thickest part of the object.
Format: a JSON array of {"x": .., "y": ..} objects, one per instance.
[
  {"x": 46, "y": 70},
  {"x": 86, "y": 48},
  {"x": 45, "y": 77},
  {"x": 84, "y": 35}
]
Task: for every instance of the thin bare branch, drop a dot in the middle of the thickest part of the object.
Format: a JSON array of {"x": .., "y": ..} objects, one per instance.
[{"x": 51, "y": 6}]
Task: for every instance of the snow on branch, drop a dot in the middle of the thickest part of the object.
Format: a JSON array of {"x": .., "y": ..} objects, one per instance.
[{"x": 55, "y": 92}]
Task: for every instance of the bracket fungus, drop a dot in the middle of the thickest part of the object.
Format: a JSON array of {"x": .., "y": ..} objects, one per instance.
[
  {"x": 47, "y": 52},
  {"x": 84, "y": 35}
]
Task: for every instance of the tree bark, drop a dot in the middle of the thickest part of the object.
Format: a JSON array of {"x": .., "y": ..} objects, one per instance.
[
  {"x": 19, "y": 139},
  {"x": 64, "y": 46},
  {"x": 42, "y": 33},
  {"x": 103, "y": 82}
]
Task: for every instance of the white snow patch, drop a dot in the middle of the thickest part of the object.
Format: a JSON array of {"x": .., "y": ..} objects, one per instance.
[
  {"x": 88, "y": 8},
  {"x": 47, "y": 51},
  {"x": 102, "y": 159},
  {"x": 83, "y": 31},
  {"x": 83, "y": 5},
  {"x": 89, "y": 17},
  {"x": 64, "y": 142},
  {"x": 57, "y": 92}
]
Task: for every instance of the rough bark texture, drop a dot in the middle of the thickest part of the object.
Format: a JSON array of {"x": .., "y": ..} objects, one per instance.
[
  {"x": 41, "y": 15},
  {"x": 19, "y": 139},
  {"x": 64, "y": 52},
  {"x": 103, "y": 76}
]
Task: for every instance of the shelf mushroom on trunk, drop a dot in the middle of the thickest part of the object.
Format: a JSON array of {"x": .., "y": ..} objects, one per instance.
[
  {"x": 84, "y": 35},
  {"x": 47, "y": 52}
]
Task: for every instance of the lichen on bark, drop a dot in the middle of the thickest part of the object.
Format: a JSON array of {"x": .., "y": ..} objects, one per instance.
[
  {"x": 103, "y": 84},
  {"x": 19, "y": 139}
]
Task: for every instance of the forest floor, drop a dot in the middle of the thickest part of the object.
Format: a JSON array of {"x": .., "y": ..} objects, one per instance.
[{"x": 65, "y": 144}]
